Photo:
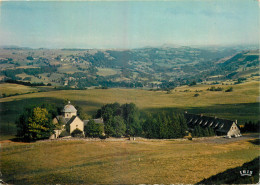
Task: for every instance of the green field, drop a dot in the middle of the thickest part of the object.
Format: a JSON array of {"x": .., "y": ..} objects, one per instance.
[
  {"x": 106, "y": 71},
  {"x": 241, "y": 104},
  {"x": 15, "y": 88},
  {"x": 120, "y": 162}
]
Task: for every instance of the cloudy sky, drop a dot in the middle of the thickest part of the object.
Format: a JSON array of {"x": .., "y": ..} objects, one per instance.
[{"x": 125, "y": 24}]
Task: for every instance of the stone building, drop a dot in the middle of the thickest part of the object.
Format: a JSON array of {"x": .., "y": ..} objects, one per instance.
[
  {"x": 220, "y": 126},
  {"x": 70, "y": 121}
]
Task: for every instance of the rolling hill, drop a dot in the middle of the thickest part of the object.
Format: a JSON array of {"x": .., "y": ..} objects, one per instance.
[{"x": 163, "y": 67}]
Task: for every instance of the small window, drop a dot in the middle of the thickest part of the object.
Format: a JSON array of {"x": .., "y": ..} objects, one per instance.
[{"x": 77, "y": 126}]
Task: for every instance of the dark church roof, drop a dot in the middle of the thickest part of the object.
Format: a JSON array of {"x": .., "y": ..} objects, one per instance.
[
  {"x": 62, "y": 119},
  {"x": 71, "y": 120},
  {"x": 220, "y": 125}
]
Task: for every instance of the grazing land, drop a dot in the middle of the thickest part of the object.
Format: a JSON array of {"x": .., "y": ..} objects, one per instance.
[
  {"x": 121, "y": 162},
  {"x": 232, "y": 175},
  {"x": 12, "y": 89}
]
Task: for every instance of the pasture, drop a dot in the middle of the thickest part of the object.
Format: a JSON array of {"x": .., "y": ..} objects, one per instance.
[
  {"x": 7, "y": 88},
  {"x": 120, "y": 162}
]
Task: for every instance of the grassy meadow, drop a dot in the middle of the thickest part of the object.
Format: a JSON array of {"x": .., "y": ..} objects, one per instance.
[
  {"x": 241, "y": 104},
  {"x": 120, "y": 162},
  {"x": 7, "y": 88}
]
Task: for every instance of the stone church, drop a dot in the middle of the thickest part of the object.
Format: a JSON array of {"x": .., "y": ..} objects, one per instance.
[{"x": 70, "y": 120}]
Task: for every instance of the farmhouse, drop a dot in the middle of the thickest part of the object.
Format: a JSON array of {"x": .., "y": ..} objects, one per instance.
[
  {"x": 70, "y": 121},
  {"x": 220, "y": 126}
]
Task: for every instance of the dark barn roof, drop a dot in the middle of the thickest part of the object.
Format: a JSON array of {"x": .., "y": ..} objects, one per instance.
[{"x": 219, "y": 125}]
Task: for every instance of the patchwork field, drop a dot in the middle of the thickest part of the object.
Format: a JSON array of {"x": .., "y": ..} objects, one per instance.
[
  {"x": 241, "y": 104},
  {"x": 120, "y": 162}
]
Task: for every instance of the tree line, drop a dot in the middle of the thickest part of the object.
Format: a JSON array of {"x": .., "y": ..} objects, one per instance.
[
  {"x": 26, "y": 83},
  {"x": 127, "y": 120},
  {"x": 119, "y": 121},
  {"x": 251, "y": 127}
]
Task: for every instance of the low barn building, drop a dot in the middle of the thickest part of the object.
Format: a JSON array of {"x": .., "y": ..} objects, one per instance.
[{"x": 220, "y": 126}]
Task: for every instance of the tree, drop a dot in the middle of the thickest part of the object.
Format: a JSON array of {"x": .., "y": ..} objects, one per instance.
[
  {"x": 29, "y": 58},
  {"x": 129, "y": 113},
  {"x": 131, "y": 116},
  {"x": 93, "y": 129},
  {"x": 184, "y": 127},
  {"x": 206, "y": 132},
  {"x": 82, "y": 115},
  {"x": 35, "y": 123},
  {"x": 163, "y": 126},
  {"x": 119, "y": 126},
  {"x": 108, "y": 111},
  {"x": 211, "y": 131},
  {"x": 150, "y": 127},
  {"x": 177, "y": 127}
]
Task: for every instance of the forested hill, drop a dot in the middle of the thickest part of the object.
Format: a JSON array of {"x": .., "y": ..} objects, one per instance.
[{"x": 162, "y": 67}]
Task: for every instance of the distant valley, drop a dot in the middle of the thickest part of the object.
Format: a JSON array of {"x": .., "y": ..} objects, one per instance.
[{"x": 149, "y": 68}]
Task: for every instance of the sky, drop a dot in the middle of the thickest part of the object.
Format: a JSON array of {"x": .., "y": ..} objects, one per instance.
[{"x": 128, "y": 24}]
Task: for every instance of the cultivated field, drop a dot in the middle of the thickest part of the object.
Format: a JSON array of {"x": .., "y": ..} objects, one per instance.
[{"x": 121, "y": 162}]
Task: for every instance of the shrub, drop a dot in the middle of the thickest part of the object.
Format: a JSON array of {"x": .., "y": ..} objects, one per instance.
[
  {"x": 192, "y": 83},
  {"x": 196, "y": 95},
  {"x": 215, "y": 89},
  {"x": 77, "y": 133},
  {"x": 64, "y": 133},
  {"x": 230, "y": 89},
  {"x": 102, "y": 137}
]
